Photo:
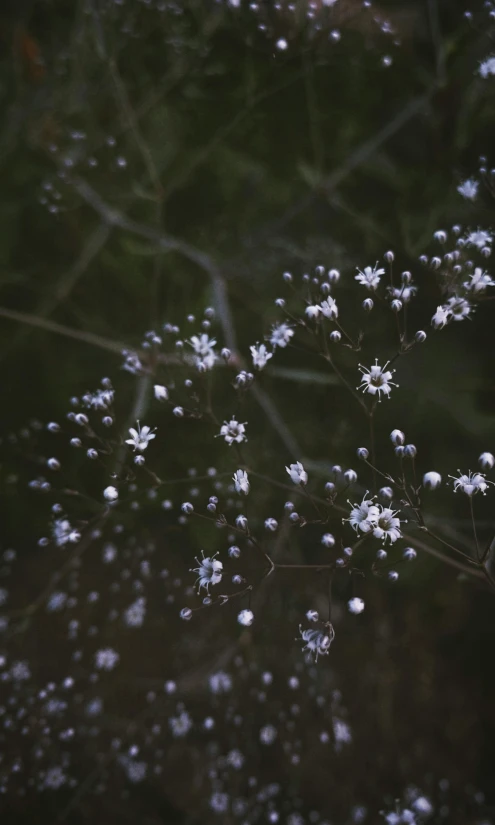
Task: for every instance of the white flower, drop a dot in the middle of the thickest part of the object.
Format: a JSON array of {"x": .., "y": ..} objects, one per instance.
[
  {"x": 387, "y": 525},
  {"x": 233, "y": 431},
  {"x": 440, "y": 318},
  {"x": 241, "y": 482},
  {"x": 313, "y": 311},
  {"x": 486, "y": 461},
  {"x": 245, "y": 617},
  {"x": 180, "y": 725},
  {"x": 317, "y": 642},
  {"x": 161, "y": 392},
  {"x": 281, "y": 335},
  {"x": 140, "y": 438},
  {"x": 468, "y": 189},
  {"x": 63, "y": 532},
  {"x": 458, "y": 308},
  {"x": 404, "y": 293},
  {"x": 471, "y": 483},
  {"x": 111, "y": 493},
  {"x": 377, "y": 380},
  {"x": 209, "y": 571},
  {"x": 260, "y": 355},
  {"x": 363, "y": 516},
  {"x": 99, "y": 400},
  {"x": 432, "y": 480},
  {"x": 487, "y": 67},
  {"x": 297, "y": 473},
  {"x": 329, "y": 308},
  {"x": 369, "y": 276},
  {"x": 106, "y": 658},
  {"x": 205, "y": 355},
  {"x": 478, "y": 282},
  {"x": 355, "y": 605},
  {"x": 480, "y": 238}
]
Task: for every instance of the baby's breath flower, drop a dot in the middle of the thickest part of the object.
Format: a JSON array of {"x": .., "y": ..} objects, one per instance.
[
  {"x": 245, "y": 617},
  {"x": 140, "y": 438},
  {"x": 233, "y": 431},
  {"x": 106, "y": 659},
  {"x": 317, "y": 642},
  {"x": 209, "y": 571},
  {"x": 111, "y": 493},
  {"x": 363, "y": 516},
  {"x": 387, "y": 525},
  {"x": 281, "y": 335},
  {"x": 478, "y": 281},
  {"x": 271, "y": 524},
  {"x": 480, "y": 238},
  {"x": 487, "y": 67},
  {"x": 161, "y": 392},
  {"x": 297, "y": 473},
  {"x": 329, "y": 308},
  {"x": 313, "y": 311},
  {"x": 470, "y": 483},
  {"x": 355, "y": 605},
  {"x": 432, "y": 480},
  {"x": 241, "y": 482},
  {"x": 377, "y": 380},
  {"x": 260, "y": 355},
  {"x": 458, "y": 308},
  {"x": 440, "y": 318},
  {"x": 204, "y": 353},
  {"x": 369, "y": 276},
  {"x": 486, "y": 461},
  {"x": 468, "y": 189}
]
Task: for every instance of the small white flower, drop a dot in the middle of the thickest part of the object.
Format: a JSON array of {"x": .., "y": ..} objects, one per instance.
[
  {"x": 297, "y": 473},
  {"x": 363, "y": 516},
  {"x": 432, "y": 480},
  {"x": 470, "y": 483},
  {"x": 478, "y": 282},
  {"x": 245, "y": 617},
  {"x": 260, "y": 355},
  {"x": 140, "y": 438},
  {"x": 377, "y": 380},
  {"x": 329, "y": 308},
  {"x": 205, "y": 355},
  {"x": 161, "y": 392},
  {"x": 281, "y": 335},
  {"x": 209, "y": 571},
  {"x": 111, "y": 493},
  {"x": 313, "y": 311},
  {"x": 233, "y": 431},
  {"x": 369, "y": 276},
  {"x": 180, "y": 725},
  {"x": 317, "y": 642},
  {"x": 468, "y": 189},
  {"x": 458, "y": 308},
  {"x": 387, "y": 525},
  {"x": 241, "y": 482},
  {"x": 64, "y": 533},
  {"x": 404, "y": 293},
  {"x": 355, "y": 605},
  {"x": 486, "y": 461},
  {"x": 480, "y": 238},
  {"x": 106, "y": 659},
  {"x": 487, "y": 67},
  {"x": 440, "y": 318}
]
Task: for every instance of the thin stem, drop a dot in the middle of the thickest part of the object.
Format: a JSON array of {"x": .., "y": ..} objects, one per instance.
[{"x": 471, "y": 510}]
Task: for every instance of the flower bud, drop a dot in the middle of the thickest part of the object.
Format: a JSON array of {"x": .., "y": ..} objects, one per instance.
[
  {"x": 397, "y": 437},
  {"x": 186, "y": 613},
  {"x": 271, "y": 524},
  {"x": 53, "y": 464},
  {"x": 187, "y": 508},
  {"x": 486, "y": 461},
  {"x": 333, "y": 276},
  {"x": 178, "y": 412},
  {"x": 111, "y": 493},
  {"x": 328, "y": 540},
  {"x": 107, "y": 421},
  {"x": 381, "y": 554},
  {"x": 435, "y": 263},
  {"x": 335, "y": 336},
  {"x": 234, "y": 552},
  {"x": 420, "y": 336},
  {"x": 432, "y": 480},
  {"x": 406, "y": 278},
  {"x": 389, "y": 256},
  {"x": 53, "y": 427},
  {"x": 225, "y": 354},
  {"x": 393, "y": 575},
  {"x": 350, "y": 476},
  {"x": 287, "y": 277},
  {"x": 386, "y": 493},
  {"x": 75, "y": 442},
  {"x": 241, "y": 522},
  {"x": 368, "y": 304},
  {"x": 440, "y": 236},
  {"x": 409, "y": 554},
  {"x": 396, "y": 305},
  {"x": 312, "y": 616},
  {"x": 362, "y": 453},
  {"x": 410, "y": 450}
]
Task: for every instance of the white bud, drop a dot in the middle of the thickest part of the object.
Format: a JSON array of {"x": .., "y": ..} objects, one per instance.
[
  {"x": 486, "y": 461},
  {"x": 328, "y": 540},
  {"x": 432, "y": 480},
  {"x": 111, "y": 493},
  {"x": 53, "y": 464},
  {"x": 161, "y": 392},
  {"x": 397, "y": 437},
  {"x": 187, "y": 508},
  {"x": 362, "y": 453},
  {"x": 355, "y": 605},
  {"x": 350, "y": 476}
]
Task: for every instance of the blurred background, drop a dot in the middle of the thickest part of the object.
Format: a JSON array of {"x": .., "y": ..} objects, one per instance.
[{"x": 162, "y": 157}]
